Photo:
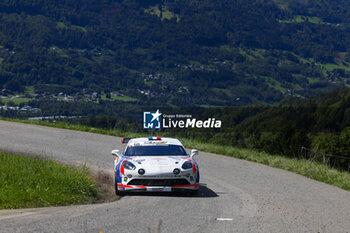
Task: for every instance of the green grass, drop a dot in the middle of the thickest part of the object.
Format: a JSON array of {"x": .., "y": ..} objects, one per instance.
[
  {"x": 313, "y": 80},
  {"x": 272, "y": 83},
  {"x": 79, "y": 27},
  {"x": 306, "y": 168},
  {"x": 325, "y": 67},
  {"x": 302, "y": 19},
  {"x": 209, "y": 106},
  {"x": 120, "y": 98},
  {"x": 31, "y": 182},
  {"x": 166, "y": 14},
  {"x": 222, "y": 90},
  {"x": 29, "y": 90},
  {"x": 246, "y": 54},
  {"x": 150, "y": 83},
  {"x": 283, "y": 4},
  {"x": 193, "y": 62},
  {"x": 331, "y": 67},
  {"x": 16, "y": 101},
  {"x": 125, "y": 98},
  {"x": 61, "y": 25}
]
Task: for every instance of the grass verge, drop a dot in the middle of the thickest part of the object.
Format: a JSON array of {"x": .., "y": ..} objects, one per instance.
[
  {"x": 31, "y": 182},
  {"x": 303, "y": 167}
]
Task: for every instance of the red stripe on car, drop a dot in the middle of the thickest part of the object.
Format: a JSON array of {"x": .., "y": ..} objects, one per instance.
[
  {"x": 194, "y": 166},
  {"x": 131, "y": 186},
  {"x": 122, "y": 167}
]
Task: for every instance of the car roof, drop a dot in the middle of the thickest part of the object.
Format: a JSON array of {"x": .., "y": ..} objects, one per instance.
[{"x": 153, "y": 141}]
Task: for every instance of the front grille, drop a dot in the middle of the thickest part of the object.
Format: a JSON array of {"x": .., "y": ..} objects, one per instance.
[{"x": 158, "y": 182}]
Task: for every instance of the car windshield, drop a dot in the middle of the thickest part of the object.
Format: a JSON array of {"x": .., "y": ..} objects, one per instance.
[{"x": 155, "y": 150}]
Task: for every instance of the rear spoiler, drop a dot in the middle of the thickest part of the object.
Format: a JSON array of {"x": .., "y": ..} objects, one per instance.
[{"x": 125, "y": 140}]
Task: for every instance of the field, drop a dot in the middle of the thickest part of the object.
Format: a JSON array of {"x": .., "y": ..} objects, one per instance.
[
  {"x": 301, "y": 19},
  {"x": 120, "y": 98},
  {"x": 16, "y": 100}
]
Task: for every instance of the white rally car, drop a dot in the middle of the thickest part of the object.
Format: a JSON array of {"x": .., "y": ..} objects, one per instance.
[{"x": 155, "y": 164}]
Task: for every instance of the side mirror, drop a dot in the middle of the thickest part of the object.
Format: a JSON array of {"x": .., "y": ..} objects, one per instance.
[
  {"x": 125, "y": 140},
  {"x": 194, "y": 152},
  {"x": 116, "y": 153}
]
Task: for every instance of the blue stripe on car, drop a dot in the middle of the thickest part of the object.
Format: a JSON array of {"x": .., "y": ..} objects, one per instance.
[
  {"x": 197, "y": 180},
  {"x": 118, "y": 177}
]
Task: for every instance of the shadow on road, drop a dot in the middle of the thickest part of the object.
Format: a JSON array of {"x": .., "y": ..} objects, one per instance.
[{"x": 203, "y": 192}]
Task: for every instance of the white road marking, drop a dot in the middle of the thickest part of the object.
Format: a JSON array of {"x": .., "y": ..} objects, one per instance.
[{"x": 224, "y": 219}]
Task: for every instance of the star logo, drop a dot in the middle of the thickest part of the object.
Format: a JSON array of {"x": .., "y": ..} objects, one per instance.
[
  {"x": 156, "y": 115},
  {"x": 152, "y": 120}
]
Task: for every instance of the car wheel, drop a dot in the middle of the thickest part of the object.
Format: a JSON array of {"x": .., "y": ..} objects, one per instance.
[
  {"x": 194, "y": 192},
  {"x": 120, "y": 193},
  {"x": 117, "y": 192}
]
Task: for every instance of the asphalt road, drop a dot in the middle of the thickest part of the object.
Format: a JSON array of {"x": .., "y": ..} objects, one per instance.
[{"x": 235, "y": 196}]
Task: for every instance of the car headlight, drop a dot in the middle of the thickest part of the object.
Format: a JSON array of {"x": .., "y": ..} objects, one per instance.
[
  {"x": 129, "y": 165},
  {"x": 187, "y": 165}
]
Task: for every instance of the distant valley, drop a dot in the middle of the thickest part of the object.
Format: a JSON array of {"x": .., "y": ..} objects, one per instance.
[{"x": 173, "y": 53}]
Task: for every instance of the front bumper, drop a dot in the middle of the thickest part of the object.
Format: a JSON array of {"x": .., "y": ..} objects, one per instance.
[
  {"x": 123, "y": 187},
  {"x": 158, "y": 183}
]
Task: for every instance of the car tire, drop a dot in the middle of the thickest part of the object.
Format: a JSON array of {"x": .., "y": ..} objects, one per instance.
[
  {"x": 194, "y": 192},
  {"x": 117, "y": 192}
]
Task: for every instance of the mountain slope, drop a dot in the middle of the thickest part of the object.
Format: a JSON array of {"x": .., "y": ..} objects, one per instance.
[{"x": 230, "y": 52}]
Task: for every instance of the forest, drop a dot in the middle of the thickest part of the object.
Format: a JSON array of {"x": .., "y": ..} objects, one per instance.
[{"x": 178, "y": 52}]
